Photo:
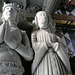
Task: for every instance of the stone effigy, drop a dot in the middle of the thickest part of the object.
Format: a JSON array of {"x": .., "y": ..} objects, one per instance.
[
  {"x": 50, "y": 56},
  {"x": 10, "y": 42},
  {"x": 30, "y": 7}
]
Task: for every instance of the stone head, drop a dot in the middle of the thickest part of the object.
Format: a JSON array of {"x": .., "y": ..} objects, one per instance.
[
  {"x": 10, "y": 12},
  {"x": 41, "y": 19}
]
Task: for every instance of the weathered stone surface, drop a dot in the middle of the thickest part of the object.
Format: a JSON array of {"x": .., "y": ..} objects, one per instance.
[{"x": 30, "y": 7}]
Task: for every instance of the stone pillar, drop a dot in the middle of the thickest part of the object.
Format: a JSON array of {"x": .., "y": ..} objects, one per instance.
[{"x": 49, "y": 5}]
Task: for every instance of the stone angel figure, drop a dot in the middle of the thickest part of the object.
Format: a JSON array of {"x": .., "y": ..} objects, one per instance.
[
  {"x": 50, "y": 56},
  {"x": 13, "y": 42}
]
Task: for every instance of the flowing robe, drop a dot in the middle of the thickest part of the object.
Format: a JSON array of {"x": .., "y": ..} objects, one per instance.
[
  {"x": 10, "y": 37},
  {"x": 50, "y": 56}
]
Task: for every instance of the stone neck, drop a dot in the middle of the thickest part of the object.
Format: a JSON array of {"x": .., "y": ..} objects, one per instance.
[
  {"x": 41, "y": 26},
  {"x": 45, "y": 29}
]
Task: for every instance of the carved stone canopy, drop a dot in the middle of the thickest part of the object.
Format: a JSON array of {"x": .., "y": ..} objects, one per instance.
[{"x": 30, "y": 7}]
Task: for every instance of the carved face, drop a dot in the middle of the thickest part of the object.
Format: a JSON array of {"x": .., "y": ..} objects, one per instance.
[
  {"x": 10, "y": 13},
  {"x": 42, "y": 19}
]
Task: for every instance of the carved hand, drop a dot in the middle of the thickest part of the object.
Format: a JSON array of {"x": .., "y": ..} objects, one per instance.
[
  {"x": 8, "y": 37},
  {"x": 53, "y": 45},
  {"x": 12, "y": 43},
  {"x": 2, "y": 31}
]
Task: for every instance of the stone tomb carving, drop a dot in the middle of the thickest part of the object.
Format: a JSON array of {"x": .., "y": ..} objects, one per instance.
[
  {"x": 32, "y": 6},
  {"x": 50, "y": 56},
  {"x": 10, "y": 42}
]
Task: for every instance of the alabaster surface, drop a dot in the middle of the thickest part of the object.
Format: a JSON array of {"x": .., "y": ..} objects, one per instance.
[
  {"x": 50, "y": 56},
  {"x": 13, "y": 42},
  {"x": 30, "y": 7}
]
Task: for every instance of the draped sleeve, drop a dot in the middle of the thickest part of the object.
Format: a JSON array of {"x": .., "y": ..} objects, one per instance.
[
  {"x": 37, "y": 45},
  {"x": 39, "y": 48},
  {"x": 61, "y": 52}
]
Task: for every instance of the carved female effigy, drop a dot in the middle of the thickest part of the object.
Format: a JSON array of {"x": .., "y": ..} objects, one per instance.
[{"x": 50, "y": 56}]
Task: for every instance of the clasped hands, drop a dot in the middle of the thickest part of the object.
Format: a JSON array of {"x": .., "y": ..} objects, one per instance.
[{"x": 53, "y": 45}]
